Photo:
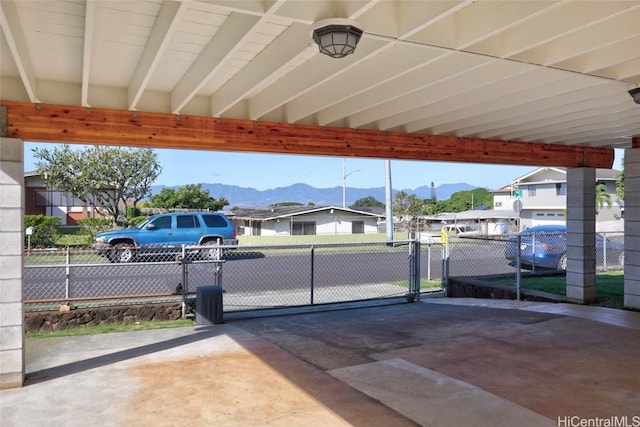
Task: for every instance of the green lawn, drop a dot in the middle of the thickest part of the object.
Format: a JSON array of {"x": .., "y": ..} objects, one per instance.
[
  {"x": 425, "y": 285},
  {"x": 609, "y": 287},
  {"x": 112, "y": 327}
]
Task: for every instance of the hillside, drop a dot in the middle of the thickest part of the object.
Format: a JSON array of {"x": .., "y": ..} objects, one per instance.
[{"x": 303, "y": 193}]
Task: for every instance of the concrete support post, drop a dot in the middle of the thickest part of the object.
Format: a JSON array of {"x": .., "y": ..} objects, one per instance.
[
  {"x": 12, "y": 367},
  {"x": 581, "y": 235},
  {"x": 632, "y": 228}
]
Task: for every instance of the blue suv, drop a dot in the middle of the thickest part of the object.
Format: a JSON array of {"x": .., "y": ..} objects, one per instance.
[{"x": 166, "y": 233}]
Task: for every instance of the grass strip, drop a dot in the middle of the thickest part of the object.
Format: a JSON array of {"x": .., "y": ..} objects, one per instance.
[
  {"x": 609, "y": 287},
  {"x": 107, "y": 328}
]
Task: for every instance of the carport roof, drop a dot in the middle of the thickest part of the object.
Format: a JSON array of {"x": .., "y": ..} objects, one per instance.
[{"x": 550, "y": 72}]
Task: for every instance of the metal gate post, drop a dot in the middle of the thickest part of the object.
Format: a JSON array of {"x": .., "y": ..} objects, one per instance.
[
  {"x": 518, "y": 269},
  {"x": 185, "y": 281},
  {"x": 312, "y": 273},
  {"x": 67, "y": 280},
  {"x": 444, "y": 238},
  {"x": 418, "y": 276},
  {"x": 218, "y": 265},
  {"x": 413, "y": 293}
]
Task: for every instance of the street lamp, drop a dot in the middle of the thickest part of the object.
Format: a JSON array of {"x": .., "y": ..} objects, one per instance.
[{"x": 344, "y": 181}]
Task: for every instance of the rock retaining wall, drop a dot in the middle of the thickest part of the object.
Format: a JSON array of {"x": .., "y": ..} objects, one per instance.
[
  {"x": 49, "y": 321},
  {"x": 461, "y": 287}
]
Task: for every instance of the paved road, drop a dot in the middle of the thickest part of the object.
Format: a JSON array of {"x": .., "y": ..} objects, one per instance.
[{"x": 263, "y": 271}]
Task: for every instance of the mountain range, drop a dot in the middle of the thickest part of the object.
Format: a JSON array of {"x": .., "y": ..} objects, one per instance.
[{"x": 303, "y": 193}]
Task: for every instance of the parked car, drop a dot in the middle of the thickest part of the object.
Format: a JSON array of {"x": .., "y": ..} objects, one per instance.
[
  {"x": 459, "y": 229},
  {"x": 166, "y": 233},
  {"x": 545, "y": 246}
]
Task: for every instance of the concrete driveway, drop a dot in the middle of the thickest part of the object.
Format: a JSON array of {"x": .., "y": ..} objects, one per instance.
[{"x": 442, "y": 362}]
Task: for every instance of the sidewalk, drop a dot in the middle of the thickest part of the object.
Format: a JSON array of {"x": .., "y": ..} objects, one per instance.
[{"x": 444, "y": 362}]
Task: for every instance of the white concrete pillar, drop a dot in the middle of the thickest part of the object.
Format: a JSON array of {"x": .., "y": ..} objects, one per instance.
[
  {"x": 581, "y": 235},
  {"x": 632, "y": 227},
  {"x": 12, "y": 367}
]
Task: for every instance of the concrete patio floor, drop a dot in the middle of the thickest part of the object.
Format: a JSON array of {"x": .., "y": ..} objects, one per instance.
[{"x": 441, "y": 362}]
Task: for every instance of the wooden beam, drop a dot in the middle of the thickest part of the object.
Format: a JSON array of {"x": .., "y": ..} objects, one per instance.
[{"x": 71, "y": 124}]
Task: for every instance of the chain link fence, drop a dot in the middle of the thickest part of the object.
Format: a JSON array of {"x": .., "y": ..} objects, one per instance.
[
  {"x": 253, "y": 277},
  {"x": 257, "y": 277},
  {"x": 505, "y": 259}
]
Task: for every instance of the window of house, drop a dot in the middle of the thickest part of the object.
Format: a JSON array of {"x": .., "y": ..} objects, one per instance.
[
  {"x": 561, "y": 189},
  {"x": 357, "y": 227},
  {"x": 303, "y": 228},
  {"x": 531, "y": 190},
  {"x": 498, "y": 204}
]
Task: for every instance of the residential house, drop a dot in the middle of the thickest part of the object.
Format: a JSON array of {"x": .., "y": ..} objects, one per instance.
[
  {"x": 541, "y": 196},
  {"x": 41, "y": 200},
  {"x": 304, "y": 220}
]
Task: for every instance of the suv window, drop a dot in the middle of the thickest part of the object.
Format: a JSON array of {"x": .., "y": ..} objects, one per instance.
[
  {"x": 162, "y": 222},
  {"x": 187, "y": 221},
  {"x": 214, "y": 221}
]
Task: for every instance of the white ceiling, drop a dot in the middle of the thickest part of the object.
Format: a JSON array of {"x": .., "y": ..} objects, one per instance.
[{"x": 544, "y": 71}]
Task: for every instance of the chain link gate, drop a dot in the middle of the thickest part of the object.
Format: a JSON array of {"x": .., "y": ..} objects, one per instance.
[
  {"x": 255, "y": 277},
  {"x": 188, "y": 295}
]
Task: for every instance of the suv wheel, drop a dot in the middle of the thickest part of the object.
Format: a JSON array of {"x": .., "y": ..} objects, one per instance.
[
  {"x": 210, "y": 254},
  {"x": 122, "y": 252}
]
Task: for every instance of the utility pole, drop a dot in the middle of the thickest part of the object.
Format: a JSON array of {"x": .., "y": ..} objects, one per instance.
[{"x": 388, "y": 201}]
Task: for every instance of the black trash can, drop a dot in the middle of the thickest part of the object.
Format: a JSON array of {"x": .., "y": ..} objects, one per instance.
[{"x": 209, "y": 308}]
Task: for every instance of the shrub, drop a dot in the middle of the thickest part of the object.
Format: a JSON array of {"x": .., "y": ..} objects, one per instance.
[
  {"x": 45, "y": 230},
  {"x": 132, "y": 212},
  {"x": 136, "y": 220},
  {"x": 91, "y": 226}
]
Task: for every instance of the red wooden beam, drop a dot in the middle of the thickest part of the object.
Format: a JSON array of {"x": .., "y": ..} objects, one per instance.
[{"x": 72, "y": 124}]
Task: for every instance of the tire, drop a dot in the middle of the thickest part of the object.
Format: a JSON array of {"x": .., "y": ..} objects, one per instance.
[
  {"x": 562, "y": 262},
  {"x": 210, "y": 254},
  {"x": 122, "y": 252}
]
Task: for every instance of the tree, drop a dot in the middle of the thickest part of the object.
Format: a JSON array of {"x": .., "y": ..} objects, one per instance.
[
  {"x": 465, "y": 200},
  {"x": 407, "y": 207},
  {"x": 433, "y": 197},
  {"x": 190, "y": 196},
  {"x": 102, "y": 177},
  {"x": 369, "y": 202},
  {"x": 602, "y": 197}
]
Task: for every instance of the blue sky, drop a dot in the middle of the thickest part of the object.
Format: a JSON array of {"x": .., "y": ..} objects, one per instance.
[{"x": 266, "y": 171}]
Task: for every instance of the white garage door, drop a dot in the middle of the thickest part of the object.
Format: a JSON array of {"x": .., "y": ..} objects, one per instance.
[{"x": 548, "y": 217}]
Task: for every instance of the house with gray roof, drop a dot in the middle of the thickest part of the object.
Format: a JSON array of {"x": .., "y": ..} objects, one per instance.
[
  {"x": 304, "y": 220},
  {"x": 542, "y": 197}
]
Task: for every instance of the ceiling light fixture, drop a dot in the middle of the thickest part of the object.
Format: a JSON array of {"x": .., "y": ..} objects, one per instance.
[
  {"x": 336, "y": 37},
  {"x": 635, "y": 94}
]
